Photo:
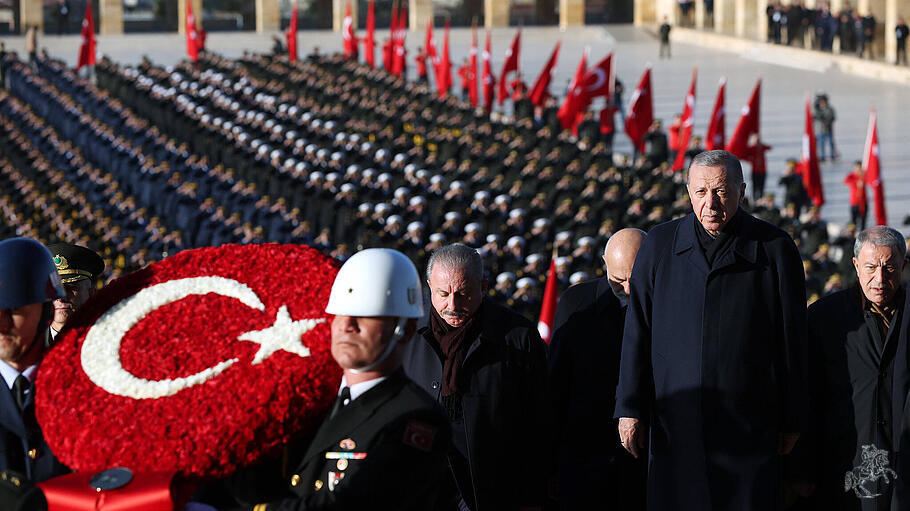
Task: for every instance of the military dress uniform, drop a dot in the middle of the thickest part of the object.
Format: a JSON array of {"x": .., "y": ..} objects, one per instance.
[{"x": 385, "y": 449}]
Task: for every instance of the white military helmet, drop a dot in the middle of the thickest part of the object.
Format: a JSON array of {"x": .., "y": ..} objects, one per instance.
[{"x": 377, "y": 282}]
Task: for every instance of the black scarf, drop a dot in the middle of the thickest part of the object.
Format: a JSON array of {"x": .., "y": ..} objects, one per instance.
[
  {"x": 714, "y": 246},
  {"x": 454, "y": 343}
]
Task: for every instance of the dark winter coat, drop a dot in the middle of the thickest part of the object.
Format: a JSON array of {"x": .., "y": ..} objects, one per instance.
[
  {"x": 725, "y": 349},
  {"x": 502, "y": 381},
  {"x": 859, "y": 381},
  {"x": 591, "y": 464}
]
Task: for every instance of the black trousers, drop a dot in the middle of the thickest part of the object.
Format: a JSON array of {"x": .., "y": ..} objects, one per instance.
[{"x": 858, "y": 219}]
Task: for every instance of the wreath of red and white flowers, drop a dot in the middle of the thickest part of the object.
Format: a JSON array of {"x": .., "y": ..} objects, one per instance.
[{"x": 201, "y": 363}]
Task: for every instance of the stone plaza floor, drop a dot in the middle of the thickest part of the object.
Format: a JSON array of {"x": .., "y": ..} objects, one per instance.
[{"x": 786, "y": 81}]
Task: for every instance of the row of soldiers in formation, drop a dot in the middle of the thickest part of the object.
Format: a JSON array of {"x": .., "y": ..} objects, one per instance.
[{"x": 260, "y": 149}]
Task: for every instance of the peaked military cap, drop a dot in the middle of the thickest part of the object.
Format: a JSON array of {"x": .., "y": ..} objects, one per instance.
[{"x": 75, "y": 263}]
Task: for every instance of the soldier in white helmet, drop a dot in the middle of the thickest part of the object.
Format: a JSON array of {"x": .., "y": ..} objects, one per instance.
[{"x": 383, "y": 444}]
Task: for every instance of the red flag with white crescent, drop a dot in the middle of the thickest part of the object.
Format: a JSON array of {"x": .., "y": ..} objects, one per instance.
[
  {"x": 548, "y": 308},
  {"x": 87, "y": 48},
  {"x": 685, "y": 128},
  {"x": 430, "y": 43},
  {"x": 192, "y": 36},
  {"x": 598, "y": 81},
  {"x": 369, "y": 44},
  {"x": 473, "y": 92},
  {"x": 641, "y": 111},
  {"x": 568, "y": 112},
  {"x": 717, "y": 126},
  {"x": 389, "y": 47},
  {"x": 509, "y": 66},
  {"x": 292, "y": 34},
  {"x": 747, "y": 131},
  {"x": 541, "y": 89},
  {"x": 873, "y": 170},
  {"x": 808, "y": 162},
  {"x": 400, "y": 55},
  {"x": 347, "y": 31},
  {"x": 444, "y": 69},
  {"x": 489, "y": 81}
]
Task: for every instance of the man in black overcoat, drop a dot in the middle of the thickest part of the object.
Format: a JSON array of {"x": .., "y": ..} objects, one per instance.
[
  {"x": 714, "y": 351},
  {"x": 486, "y": 365},
  {"x": 584, "y": 368},
  {"x": 859, "y": 381}
]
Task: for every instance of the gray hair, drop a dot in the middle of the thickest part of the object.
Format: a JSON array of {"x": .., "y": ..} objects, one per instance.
[
  {"x": 457, "y": 256},
  {"x": 881, "y": 236},
  {"x": 720, "y": 158}
]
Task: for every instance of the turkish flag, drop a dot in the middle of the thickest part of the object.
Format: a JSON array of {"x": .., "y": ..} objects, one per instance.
[
  {"x": 568, "y": 112},
  {"x": 873, "y": 170},
  {"x": 489, "y": 81},
  {"x": 292, "y": 34},
  {"x": 388, "y": 49},
  {"x": 598, "y": 81},
  {"x": 444, "y": 69},
  {"x": 430, "y": 45},
  {"x": 548, "y": 308},
  {"x": 347, "y": 31},
  {"x": 473, "y": 92},
  {"x": 509, "y": 66},
  {"x": 747, "y": 131},
  {"x": 641, "y": 112},
  {"x": 685, "y": 126},
  {"x": 369, "y": 44},
  {"x": 717, "y": 127},
  {"x": 808, "y": 163},
  {"x": 400, "y": 56},
  {"x": 87, "y": 49},
  {"x": 192, "y": 37},
  {"x": 541, "y": 89}
]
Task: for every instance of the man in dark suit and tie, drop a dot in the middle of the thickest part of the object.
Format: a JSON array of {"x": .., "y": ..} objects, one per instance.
[
  {"x": 28, "y": 285},
  {"x": 384, "y": 443}
]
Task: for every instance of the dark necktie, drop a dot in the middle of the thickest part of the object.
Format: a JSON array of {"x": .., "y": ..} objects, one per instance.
[
  {"x": 20, "y": 386},
  {"x": 343, "y": 397}
]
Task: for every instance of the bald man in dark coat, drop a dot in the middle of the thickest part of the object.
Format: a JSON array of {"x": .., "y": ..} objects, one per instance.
[{"x": 584, "y": 368}]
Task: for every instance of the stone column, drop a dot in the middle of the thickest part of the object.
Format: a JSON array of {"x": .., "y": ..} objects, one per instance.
[
  {"x": 883, "y": 32},
  {"x": 111, "y": 14},
  {"x": 268, "y": 16},
  {"x": 31, "y": 13},
  {"x": 419, "y": 13},
  {"x": 181, "y": 14},
  {"x": 571, "y": 13},
  {"x": 496, "y": 13},
  {"x": 893, "y": 9},
  {"x": 745, "y": 18},
  {"x": 724, "y": 16},
  {"x": 644, "y": 12},
  {"x": 700, "y": 15},
  {"x": 668, "y": 9},
  {"x": 761, "y": 16}
]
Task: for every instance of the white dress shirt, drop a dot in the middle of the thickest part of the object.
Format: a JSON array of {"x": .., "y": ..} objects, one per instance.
[{"x": 357, "y": 389}]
